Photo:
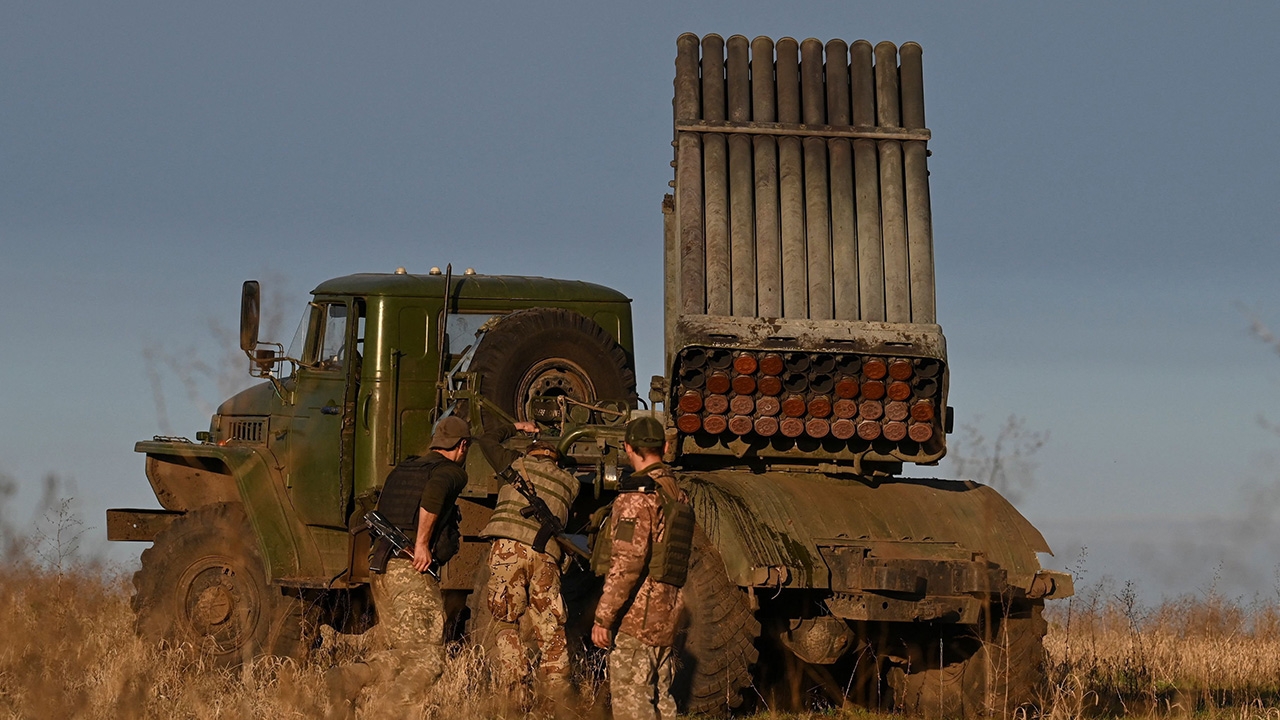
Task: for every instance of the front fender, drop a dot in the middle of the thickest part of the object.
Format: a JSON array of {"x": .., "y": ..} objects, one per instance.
[{"x": 286, "y": 546}]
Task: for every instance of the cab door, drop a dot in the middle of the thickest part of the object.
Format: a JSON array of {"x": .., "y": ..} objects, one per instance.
[{"x": 321, "y": 434}]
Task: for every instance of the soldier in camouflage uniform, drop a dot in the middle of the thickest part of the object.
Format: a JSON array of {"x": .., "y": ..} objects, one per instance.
[
  {"x": 643, "y": 610},
  {"x": 420, "y": 498},
  {"x": 524, "y": 582}
]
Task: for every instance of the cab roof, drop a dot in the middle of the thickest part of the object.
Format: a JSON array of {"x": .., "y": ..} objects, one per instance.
[{"x": 480, "y": 287}]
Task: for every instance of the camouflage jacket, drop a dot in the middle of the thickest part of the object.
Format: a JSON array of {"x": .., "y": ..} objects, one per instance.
[{"x": 648, "y": 610}]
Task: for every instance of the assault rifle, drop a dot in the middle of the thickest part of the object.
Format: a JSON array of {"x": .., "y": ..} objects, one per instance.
[
  {"x": 380, "y": 526},
  {"x": 549, "y": 526}
]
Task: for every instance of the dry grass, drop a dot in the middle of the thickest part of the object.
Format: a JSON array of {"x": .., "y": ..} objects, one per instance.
[
  {"x": 1110, "y": 655},
  {"x": 69, "y": 650}
]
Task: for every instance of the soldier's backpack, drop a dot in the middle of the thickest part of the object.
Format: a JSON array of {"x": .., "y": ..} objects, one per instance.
[{"x": 669, "y": 557}]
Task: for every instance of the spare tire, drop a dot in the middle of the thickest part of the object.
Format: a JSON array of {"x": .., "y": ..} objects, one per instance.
[{"x": 550, "y": 352}]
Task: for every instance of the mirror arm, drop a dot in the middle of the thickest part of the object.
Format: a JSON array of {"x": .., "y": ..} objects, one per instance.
[{"x": 257, "y": 369}]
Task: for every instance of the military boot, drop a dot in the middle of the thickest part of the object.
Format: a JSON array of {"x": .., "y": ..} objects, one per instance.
[
  {"x": 344, "y": 684},
  {"x": 556, "y": 696}
]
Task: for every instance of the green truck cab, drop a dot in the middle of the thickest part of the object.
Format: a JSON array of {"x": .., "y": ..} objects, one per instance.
[{"x": 357, "y": 392}]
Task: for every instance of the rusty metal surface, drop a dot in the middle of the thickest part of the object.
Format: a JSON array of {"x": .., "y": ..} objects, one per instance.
[
  {"x": 137, "y": 525},
  {"x": 875, "y": 338},
  {"x": 186, "y": 482},
  {"x": 819, "y": 640},
  {"x": 843, "y": 338},
  {"x": 882, "y": 608},
  {"x": 784, "y": 519},
  {"x": 1052, "y": 585}
]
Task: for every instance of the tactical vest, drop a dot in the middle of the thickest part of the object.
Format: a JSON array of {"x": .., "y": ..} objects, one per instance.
[
  {"x": 557, "y": 489},
  {"x": 669, "y": 556},
  {"x": 401, "y": 498}
]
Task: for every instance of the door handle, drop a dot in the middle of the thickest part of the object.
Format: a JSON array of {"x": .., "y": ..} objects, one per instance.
[{"x": 330, "y": 410}]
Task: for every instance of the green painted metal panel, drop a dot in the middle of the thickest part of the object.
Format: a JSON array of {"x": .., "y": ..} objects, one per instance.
[
  {"x": 286, "y": 544},
  {"x": 491, "y": 293},
  {"x": 771, "y": 519}
]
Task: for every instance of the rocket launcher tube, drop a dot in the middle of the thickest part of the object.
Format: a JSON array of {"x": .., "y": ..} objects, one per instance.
[{"x": 715, "y": 164}]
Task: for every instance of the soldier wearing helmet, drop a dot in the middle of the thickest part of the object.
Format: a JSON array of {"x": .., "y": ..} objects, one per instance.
[{"x": 650, "y": 534}]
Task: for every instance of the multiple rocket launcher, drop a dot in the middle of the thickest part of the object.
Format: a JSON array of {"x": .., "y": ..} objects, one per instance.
[
  {"x": 792, "y": 395},
  {"x": 801, "y": 197}
]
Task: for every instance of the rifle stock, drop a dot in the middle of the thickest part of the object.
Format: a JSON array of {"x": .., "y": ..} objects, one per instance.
[{"x": 380, "y": 526}]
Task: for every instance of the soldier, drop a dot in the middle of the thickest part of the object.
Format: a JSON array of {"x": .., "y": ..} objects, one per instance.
[
  {"x": 651, "y": 539},
  {"x": 420, "y": 498},
  {"x": 524, "y": 581}
]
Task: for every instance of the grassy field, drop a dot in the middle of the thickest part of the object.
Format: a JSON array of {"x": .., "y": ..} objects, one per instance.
[
  {"x": 1208, "y": 655},
  {"x": 69, "y": 650}
]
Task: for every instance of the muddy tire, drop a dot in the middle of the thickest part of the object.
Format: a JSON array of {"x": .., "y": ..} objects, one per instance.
[
  {"x": 550, "y": 352},
  {"x": 717, "y": 648},
  {"x": 203, "y": 584},
  {"x": 991, "y": 677}
]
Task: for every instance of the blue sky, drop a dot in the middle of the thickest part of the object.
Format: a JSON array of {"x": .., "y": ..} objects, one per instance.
[{"x": 1103, "y": 182}]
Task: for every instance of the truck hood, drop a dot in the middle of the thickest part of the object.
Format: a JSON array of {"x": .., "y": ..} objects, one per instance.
[{"x": 256, "y": 400}]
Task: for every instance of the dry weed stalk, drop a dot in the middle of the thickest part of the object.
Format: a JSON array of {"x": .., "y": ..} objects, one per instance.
[
  {"x": 1188, "y": 655},
  {"x": 70, "y": 651}
]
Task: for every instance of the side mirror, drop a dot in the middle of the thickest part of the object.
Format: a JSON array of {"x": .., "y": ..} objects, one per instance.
[{"x": 250, "y": 310}]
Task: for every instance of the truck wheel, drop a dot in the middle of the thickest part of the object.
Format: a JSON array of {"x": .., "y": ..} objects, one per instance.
[
  {"x": 202, "y": 583},
  {"x": 991, "y": 677},
  {"x": 719, "y": 649},
  {"x": 550, "y": 352}
]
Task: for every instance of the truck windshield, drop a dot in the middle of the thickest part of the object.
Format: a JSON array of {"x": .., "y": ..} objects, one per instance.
[
  {"x": 299, "y": 336},
  {"x": 320, "y": 341}
]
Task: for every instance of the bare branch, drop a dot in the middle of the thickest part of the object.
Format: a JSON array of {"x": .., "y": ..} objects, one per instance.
[
  {"x": 1259, "y": 329},
  {"x": 212, "y": 368},
  {"x": 1007, "y": 464}
]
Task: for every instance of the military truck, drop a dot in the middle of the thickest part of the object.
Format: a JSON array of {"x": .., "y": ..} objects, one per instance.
[{"x": 804, "y": 368}]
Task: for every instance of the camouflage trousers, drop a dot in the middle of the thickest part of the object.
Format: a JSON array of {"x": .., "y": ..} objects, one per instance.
[
  {"x": 526, "y": 583},
  {"x": 411, "y": 622},
  {"x": 640, "y": 680}
]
